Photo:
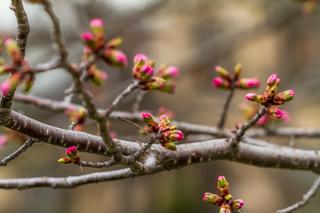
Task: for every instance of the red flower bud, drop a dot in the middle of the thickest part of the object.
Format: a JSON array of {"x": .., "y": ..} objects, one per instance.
[
  {"x": 248, "y": 83},
  {"x": 221, "y": 83},
  {"x": 273, "y": 80}
]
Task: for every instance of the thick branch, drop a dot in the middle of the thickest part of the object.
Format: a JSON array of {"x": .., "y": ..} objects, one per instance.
[{"x": 59, "y": 106}]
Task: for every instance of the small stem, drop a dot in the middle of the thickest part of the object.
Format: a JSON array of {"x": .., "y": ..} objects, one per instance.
[
  {"x": 225, "y": 109},
  {"x": 305, "y": 198},
  {"x": 132, "y": 87},
  {"x": 241, "y": 131},
  {"x": 144, "y": 148},
  {"x": 137, "y": 104},
  {"x": 17, "y": 152}
]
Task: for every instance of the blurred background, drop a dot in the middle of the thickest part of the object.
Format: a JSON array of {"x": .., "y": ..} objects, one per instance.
[{"x": 265, "y": 36}]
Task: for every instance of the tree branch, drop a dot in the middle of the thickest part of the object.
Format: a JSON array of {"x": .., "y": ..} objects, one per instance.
[
  {"x": 17, "y": 152},
  {"x": 305, "y": 198}
]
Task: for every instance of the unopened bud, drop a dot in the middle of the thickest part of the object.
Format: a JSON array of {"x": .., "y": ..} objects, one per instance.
[
  {"x": 248, "y": 83},
  {"x": 222, "y": 72}
]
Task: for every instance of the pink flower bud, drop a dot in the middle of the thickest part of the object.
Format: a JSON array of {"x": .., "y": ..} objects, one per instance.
[
  {"x": 72, "y": 151},
  {"x": 222, "y": 72},
  {"x": 13, "y": 50},
  {"x": 273, "y": 80},
  {"x": 283, "y": 97},
  {"x": 248, "y": 83},
  {"x": 176, "y": 135},
  {"x": 237, "y": 204},
  {"x": 223, "y": 185},
  {"x": 212, "y": 198},
  {"x": 251, "y": 97},
  {"x": 148, "y": 119},
  {"x": 96, "y": 22},
  {"x": 168, "y": 72},
  {"x": 263, "y": 120},
  {"x": 140, "y": 58},
  {"x": 221, "y": 83},
  {"x": 87, "y": 36},
  {"x": 89, "y": 40},
  {"x": 115, "y": 57},
  {"x": 275, "y": 112},
  {"x": 5, "y": 88}
]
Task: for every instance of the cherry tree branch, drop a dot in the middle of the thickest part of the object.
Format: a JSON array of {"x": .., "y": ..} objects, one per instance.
[
  {"x": 305, "y": 198},
  {"x": 60, "y": 106},
  {"x": 17, "y": 152}
]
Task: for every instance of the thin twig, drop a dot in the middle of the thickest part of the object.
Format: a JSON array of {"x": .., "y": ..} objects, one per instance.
[
  {"x": 144, "y": 148},
  {"x": 23, "y": 24},
  {"x": 130, "y": 88},
  {"x": 22, "y": 37},
  {"x": 137, "y": 104},
  {"x": 241, "y": 131},
  {"x": 17, "y": 152},
  {"x": 305, "y": 198},
  {"x": 225, "y": 108}
]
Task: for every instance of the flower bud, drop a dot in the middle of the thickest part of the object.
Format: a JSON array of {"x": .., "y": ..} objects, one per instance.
[
  {"x": 237, "y": 204},
  {"x": 13, "y": 50},
  {"x": 114, "y": 43},
  {"x": 219, "y": 82},
  {"x": 10, "y": 84},
  {"x": 273, "y": 80},
  {"x": 28, "y": 82},
  {"x": 212, "y": 198},
  {"x": 248, "y": 83},
  {"x": 164, "y": 121},
  {"x": 89, "y": 40},
  {"x": 223, "y": 185},
  {"x": 275, "y": 112},
  {"x": 140, "y": 59},
  {"x": 176, "y": 135},
  {"x": 283, "y": 97},
  {"x": 252, "y": 97},
  {"x": 148, "y": 119},
  {"x": 225, "y": 208},
  {"x": 228, "y": 197},
  {"x": 222, "y": 72},
  {"x": 156, "y": 83},
  {"x": 115, "y": 57},
  {"x": 143, "y": 68},
  {"x": 168, "y": 87},
  {"x": 237, "y": 71},
  {"x": 96, "y": 75},
  {"x": 97, "y": 29},
  {"x": 168, "y": 72},
  {"x": 72, "y": 151},
  {"x": 170, "y": 146},
  {"x": 65, "y": 160}
]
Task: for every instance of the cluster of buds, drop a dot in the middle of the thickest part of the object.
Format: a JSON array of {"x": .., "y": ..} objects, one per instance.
[
  {"x": 96, "y": 44},
  {"x": 308, "y": 5},
  {"x": 19, "y": 69},
  {"x": 249, "y": 110},
  {"x": 166, "y": 133},
  {"x": 77, "y": 118},
  {"x": 71, "y": 156},
  {"x": 162, "y": 80},
  {"x": 271, "y": 98},
  {"x": 224, "y": 200},
  {"x": 227, "y": 80}
]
